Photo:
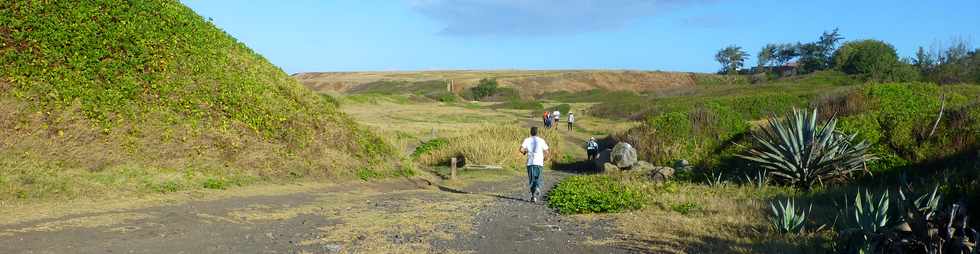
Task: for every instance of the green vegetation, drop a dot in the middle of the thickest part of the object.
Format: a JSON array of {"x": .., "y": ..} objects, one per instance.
[
  {"x": 520, "y": 104},
  {"x": 731, "y": 58},
  {"x": 101, "y": 97},
  {"x": 786, "y": 218},
  {"x": 485, "y": 88},
  {"x": 801, "y": 152},
  {"x": 429, "y": 146},
  {"x": 593, "y": 194},
  {"x": 874, "y": 60},
  {"x": 431, "y": 90}
]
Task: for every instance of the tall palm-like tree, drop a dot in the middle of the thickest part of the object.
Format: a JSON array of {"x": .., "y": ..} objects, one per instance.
[{"x": 731, "y": 58}]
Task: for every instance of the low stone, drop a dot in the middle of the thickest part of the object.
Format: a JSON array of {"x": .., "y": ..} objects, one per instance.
[
  {"x": 660, "y": 174},
  {"x": 642, "y": 167},
  {"x": 623, "y": 155}
]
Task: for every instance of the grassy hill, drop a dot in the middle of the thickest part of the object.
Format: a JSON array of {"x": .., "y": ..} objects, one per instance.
[{"x": 109, "y": 97}]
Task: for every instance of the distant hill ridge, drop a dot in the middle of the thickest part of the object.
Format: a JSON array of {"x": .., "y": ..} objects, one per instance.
[{"x": 527, "y": 82}]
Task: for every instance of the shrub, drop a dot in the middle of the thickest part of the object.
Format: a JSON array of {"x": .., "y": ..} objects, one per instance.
[
  {"x": 485, "y": 88},
  {"x": 428, "y": 146},
  {"x": 873, "y": 59},
  {"x": 693, "y": 135},
  {"x": 786, "y": 218},
  {"x": 593, "y": 194},
  {"x": 803, "y": 153}
]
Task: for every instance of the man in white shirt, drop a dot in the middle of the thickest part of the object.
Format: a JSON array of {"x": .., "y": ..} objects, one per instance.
[
  {"x": 557, "y": 118},
  {"x": 571, "y": 120},
  {"x": 536, "y": 150}
]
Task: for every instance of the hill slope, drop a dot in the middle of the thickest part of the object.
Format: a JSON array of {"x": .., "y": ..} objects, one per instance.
[
  {"x": 102, "y": 96},
  {"x": 527, "y": 83}
]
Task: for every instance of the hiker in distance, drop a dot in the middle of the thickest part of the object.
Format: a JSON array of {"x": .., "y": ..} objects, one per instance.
[
  {"x": 571, "y": 120},
  {"x": 536, "y": 150},
  {"x": 592, "y": 149},
  {"x": 556, "y": 119}
]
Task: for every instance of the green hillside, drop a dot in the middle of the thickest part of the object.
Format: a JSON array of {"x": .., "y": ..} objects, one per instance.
[{"x": 117, "y": 96}]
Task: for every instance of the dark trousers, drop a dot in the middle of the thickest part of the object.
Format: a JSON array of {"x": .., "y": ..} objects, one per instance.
[
  {"x": 593, "y": 153},
  {"x": 569, "y": 125},
  {"x": 534, "y": 177}
]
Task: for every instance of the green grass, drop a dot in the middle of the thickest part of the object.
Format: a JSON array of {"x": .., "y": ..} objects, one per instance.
[
  {"x": 593, "y": 194},
  {"x": 153, "y": 86}
]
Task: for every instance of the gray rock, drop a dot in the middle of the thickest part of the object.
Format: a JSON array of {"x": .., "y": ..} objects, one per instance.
[
  {"x": 623, "y": 155},
  {"x": 659, "y": 174},
  {"x": 642, "y": 167}
]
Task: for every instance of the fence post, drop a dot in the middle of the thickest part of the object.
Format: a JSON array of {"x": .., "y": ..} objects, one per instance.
[{"x": 453, "y": 166}]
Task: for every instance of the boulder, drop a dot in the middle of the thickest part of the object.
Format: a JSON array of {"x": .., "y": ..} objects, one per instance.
[
  {"x": 659, "y": 174},
  {"x": 623, "y": 155}
]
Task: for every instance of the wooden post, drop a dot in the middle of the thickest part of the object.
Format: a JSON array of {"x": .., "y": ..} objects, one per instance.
[{"x": 453, "y": 166}]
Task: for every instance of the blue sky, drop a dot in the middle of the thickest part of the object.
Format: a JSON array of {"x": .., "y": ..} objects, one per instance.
[{"x": 669, "y": 35}]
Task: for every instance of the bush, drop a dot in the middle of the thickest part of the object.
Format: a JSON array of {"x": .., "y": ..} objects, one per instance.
[
  {"x": 873, "y": 59},
  {"x": 593, "y": 194},
  {"x": 428, "y": 146},
  {"x": 487, "y": 87},
  {"x": 693, "y": 135}
]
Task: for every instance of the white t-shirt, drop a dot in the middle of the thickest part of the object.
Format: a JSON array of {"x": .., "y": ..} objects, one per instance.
[
  {"x": 556, "y": 114},
  {"x": 571, "y": 118},
  {"x": 535, "y": 147}
]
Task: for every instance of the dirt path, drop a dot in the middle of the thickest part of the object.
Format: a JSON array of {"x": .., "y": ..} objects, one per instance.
[
  {"x": 401, "y": 216},
  {"x": 513, "y": 225}
]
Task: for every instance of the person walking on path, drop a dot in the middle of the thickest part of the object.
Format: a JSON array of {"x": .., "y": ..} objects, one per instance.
[
  {"x": 571, "y": 120},
  {"x": 536, "y": 150},
  {"x": 592, "y": 149},
  {"x": 556, "y": 117},
  {"x": 546, "y": 118}
]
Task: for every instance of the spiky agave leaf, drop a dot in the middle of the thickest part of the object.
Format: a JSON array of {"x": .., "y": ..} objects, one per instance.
[
  {"x": 801, "y": 152},
  {"x": 786, "y": 218},
  {"x": 871, "y": 216}
]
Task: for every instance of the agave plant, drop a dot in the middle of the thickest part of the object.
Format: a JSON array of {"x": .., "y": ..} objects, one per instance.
[
  {"x": 786, "y": 218},
  {"x": 870, "y": 216},
  {"x": 759, "y": 180},
  {"x": 714, "y": 179},
  {"x": 801, "y": 152}
]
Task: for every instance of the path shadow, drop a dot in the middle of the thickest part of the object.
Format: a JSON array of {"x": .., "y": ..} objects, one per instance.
[
  {"x": 494, "y": 195},
  {"x": 583, "y": 167}
]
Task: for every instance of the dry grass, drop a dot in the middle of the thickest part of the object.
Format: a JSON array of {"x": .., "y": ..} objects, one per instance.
[
  {"x": 692, "y": 218},
  {"x": 496, "y": 145}
]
